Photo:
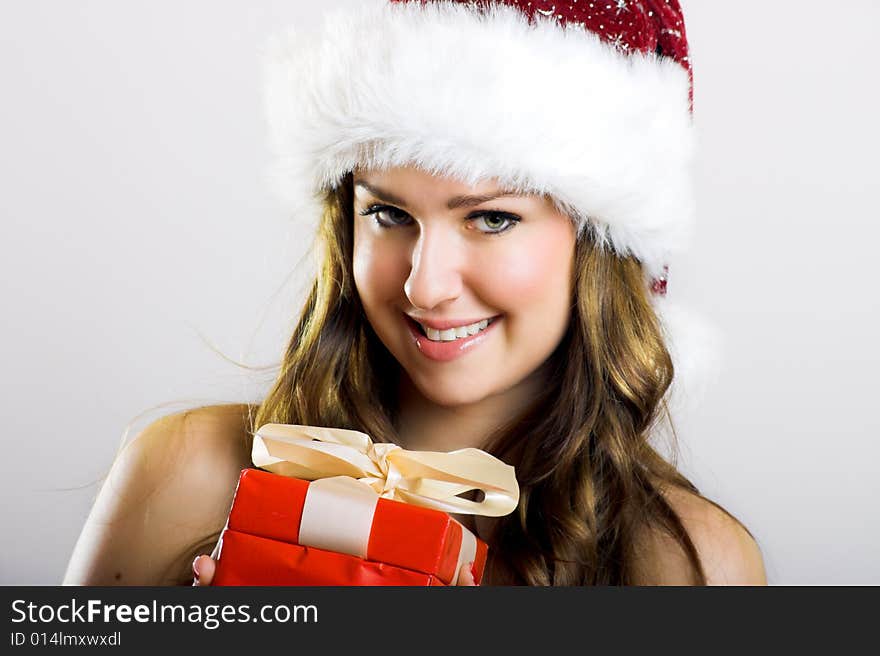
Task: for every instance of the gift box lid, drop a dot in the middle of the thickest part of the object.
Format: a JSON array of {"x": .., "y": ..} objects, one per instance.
[{"x": 425, "y": 540}]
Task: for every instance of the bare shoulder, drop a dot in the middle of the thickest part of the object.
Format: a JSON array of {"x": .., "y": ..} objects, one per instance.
[
  {"x": 728, "y": 553},
  {"x": 195, "y": 442},
  {"x": 166, "y": 496}
]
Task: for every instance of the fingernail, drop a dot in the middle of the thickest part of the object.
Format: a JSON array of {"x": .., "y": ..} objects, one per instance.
[{"x": 195, "y": 569}]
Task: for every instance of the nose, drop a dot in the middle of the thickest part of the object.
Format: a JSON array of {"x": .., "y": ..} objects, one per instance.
[{"x": 435, "y": 274}]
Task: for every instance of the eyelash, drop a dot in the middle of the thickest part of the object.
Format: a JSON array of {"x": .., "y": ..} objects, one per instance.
[{"x": 511, "y": 218}]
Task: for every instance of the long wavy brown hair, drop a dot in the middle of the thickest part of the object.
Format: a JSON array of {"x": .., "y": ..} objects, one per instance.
[{"x": 590, "y": 480}]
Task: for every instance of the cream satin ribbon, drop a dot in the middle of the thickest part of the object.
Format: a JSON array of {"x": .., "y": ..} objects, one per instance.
[{"x": 431, "y": 479}]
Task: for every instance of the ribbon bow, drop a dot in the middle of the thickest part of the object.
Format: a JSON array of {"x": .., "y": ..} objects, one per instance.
[{"x": 431, "y": 479}]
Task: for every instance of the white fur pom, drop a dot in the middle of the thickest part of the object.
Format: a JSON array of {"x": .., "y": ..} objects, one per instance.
[{"x": 696, "y": 346}]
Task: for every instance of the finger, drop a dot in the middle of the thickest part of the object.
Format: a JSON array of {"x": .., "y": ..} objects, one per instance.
[
  {"x": 203, "y": 570},
  {"x": 466, "y": 575},
  {"x": 196, "y": 572}
]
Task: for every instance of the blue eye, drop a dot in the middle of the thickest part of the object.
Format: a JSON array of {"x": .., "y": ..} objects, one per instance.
[{"x": 496, "y": 222}]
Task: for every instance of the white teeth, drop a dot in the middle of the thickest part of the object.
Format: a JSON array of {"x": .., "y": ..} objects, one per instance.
[
  {"x": 447, "y": 335},
  {"x": 455, "y": 333}
]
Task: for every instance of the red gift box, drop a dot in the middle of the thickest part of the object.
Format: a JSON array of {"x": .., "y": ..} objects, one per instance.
[{"x": 280, "y": 528}]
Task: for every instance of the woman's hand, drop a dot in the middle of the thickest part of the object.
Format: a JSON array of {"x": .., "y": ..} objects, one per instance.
[
  {"x": 204, "y": 567},
  {"x": 466, "y": 575},
  {"x": 203, "y": 570}
]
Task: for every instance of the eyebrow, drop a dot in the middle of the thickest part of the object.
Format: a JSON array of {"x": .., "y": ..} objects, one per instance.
[{"x": 454, "y": 203}]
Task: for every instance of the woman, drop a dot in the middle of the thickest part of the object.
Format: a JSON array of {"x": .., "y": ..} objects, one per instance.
[{"x": 499, "y": 187}]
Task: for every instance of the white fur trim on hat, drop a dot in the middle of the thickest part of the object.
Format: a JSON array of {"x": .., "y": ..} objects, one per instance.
[{"x": 540, "y": 107}]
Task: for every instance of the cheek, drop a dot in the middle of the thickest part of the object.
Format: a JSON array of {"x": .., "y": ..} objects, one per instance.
[
  {"x": 377, "y": 268},
  {"x": 535, "y": 273}
]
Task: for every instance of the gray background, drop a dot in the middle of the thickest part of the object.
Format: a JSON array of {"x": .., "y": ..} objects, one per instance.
[{"x": 140, "y": 241}]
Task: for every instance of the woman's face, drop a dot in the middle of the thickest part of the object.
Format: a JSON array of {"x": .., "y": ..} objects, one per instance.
[{"x": 429, "y": 251}]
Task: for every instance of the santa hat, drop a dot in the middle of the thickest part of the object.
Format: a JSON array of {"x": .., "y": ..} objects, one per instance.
[{"x": 588, "y": 102}]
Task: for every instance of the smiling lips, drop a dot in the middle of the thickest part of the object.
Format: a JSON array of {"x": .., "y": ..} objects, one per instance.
[{"x": 442, "y": 342}]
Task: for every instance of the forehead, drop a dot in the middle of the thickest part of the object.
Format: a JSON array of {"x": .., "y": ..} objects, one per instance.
[{"x": 411, "y": 184}]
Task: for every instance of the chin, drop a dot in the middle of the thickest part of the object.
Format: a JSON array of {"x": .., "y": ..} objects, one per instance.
[{"x": 452, "y": 395}]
